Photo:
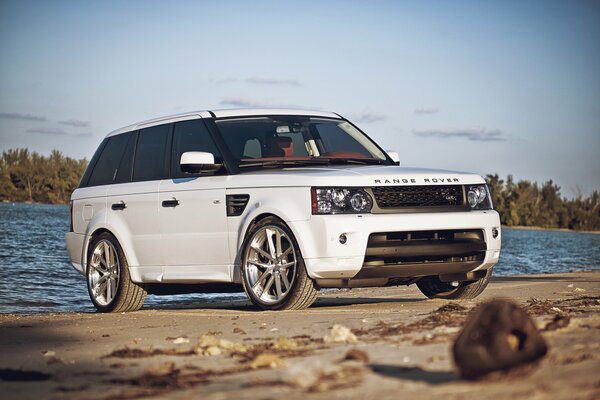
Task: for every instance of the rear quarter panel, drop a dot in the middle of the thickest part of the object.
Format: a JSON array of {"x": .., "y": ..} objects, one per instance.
[{"x": 89, "y": 214}]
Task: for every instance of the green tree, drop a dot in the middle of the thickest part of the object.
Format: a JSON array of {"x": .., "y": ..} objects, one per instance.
[{"x": 31, "y": 177}]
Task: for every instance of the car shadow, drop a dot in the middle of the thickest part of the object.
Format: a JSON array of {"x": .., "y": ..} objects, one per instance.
[
  {"x": 538, "y": 278},
  {"x": 413, "y": 373},
  {"x": 243, "y": 304},
  {"x": 350, "y": 301}
]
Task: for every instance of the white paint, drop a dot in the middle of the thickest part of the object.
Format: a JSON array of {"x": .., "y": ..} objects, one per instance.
[{"x": 197, "y": 242}]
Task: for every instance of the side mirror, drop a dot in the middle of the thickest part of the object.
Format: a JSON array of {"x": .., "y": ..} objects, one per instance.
[
  {"x": 194, "y": 162},
  {"x": 394, "y": 156}
]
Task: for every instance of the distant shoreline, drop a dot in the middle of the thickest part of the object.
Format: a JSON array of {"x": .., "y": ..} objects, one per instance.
[
  {"x": 34, "y": 202},
  {"x": 516, "y": 227},
  {"x": 539, "y": 228}
]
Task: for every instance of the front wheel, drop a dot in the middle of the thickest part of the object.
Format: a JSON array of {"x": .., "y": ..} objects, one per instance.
[
  {"x": 273, "y": 272},
  {"x": 108, "y": 281},
  {"x": 434, "y": 288}
]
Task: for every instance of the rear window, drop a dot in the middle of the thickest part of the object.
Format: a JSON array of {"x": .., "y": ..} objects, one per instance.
[
  {"x": 106, "y": 168},
  {"x": 124, "y": 172},
  {"x": 150, "y": 153}
]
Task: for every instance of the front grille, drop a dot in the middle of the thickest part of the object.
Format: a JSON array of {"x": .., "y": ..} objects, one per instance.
[
  {"x": 422, "y": 253},
  {"x": 418, "y": 196},
  {"x": 425, "y": 246}
]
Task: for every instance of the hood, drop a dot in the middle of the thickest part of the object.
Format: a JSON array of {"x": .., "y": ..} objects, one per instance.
[{"x": 354, "y": 176}]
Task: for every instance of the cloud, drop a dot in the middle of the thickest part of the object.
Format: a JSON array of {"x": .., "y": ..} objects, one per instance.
[
  {"x": 83, "y": 135},
  {"x": 224, "y": 80},
  {"x": 241, "y": 102},
  {"x": 478, "y": 134},
  {"x": 272, "y": 81},
  {"x": 367, "y": 118},
  {"x": 75, "y": 122},
  {"x": 427, "y": 110},
  {"x": 254, "y": 103},
  {"x": 47, "y": 131},
  {"x": 23, "y": 117},
  {"x": 259, "y": 81}
]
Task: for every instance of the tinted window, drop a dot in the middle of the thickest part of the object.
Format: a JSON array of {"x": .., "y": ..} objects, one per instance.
[
  {"x": 124, "y": 172},
  {"x": 150, "y": 153},
  {"x": 190, "y": 136},
  {"x": 88, "y": 171},
  {"x": 107, "y": 166}
]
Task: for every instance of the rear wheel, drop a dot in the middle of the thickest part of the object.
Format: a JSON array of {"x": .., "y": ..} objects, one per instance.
[
  {"x": 434, "y": 288},
  {"x": 273, "y": 272},
  {"x": 109, "y": 284}
]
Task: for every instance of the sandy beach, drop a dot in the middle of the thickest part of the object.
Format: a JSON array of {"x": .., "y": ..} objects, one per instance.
[{"x": 398, "y": 343}]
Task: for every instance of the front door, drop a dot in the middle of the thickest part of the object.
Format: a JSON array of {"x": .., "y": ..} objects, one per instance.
[
  {"x": 193, "y": 223},
  {"x": 193, "y": 218}
]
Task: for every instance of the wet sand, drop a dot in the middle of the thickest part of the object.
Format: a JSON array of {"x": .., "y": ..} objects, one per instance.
[{"x": 399, "y": 344}]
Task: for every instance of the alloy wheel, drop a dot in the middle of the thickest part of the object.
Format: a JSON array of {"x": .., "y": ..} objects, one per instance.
[
  {"x": 270, "y": 264},
  {"x": 104, "y": 273}
]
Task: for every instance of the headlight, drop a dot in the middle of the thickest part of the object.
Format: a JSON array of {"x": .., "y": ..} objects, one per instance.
[
  {"x": 479, "y": 197},
  {"x": 340, "y": 201}
]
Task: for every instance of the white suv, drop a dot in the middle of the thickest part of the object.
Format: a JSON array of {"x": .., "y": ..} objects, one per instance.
[{"x": 281, "y": 202}]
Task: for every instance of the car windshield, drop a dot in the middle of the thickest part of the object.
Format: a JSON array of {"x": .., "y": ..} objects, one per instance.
[{"x": 293, "y": 140}]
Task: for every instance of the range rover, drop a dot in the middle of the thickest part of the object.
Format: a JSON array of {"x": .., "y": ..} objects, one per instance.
[{"x": 278, "y": 202}]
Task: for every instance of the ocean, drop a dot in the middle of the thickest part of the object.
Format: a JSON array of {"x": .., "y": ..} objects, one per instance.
[{"x": 36, "y": 276}]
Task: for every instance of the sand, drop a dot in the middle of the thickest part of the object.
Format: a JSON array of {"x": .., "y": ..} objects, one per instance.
[{"x": 397, "y": 344}]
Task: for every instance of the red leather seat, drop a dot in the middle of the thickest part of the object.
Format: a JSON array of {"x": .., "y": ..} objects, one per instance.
[{"x": 285, "y": 144}]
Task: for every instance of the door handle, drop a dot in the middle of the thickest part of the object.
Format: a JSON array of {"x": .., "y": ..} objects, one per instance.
[
  {"x": 170, "y": 203},
  {"x": 119, "y": 206}
]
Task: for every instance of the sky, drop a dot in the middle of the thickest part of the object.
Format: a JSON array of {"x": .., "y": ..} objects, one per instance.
[{"x": 507, "y": 87}]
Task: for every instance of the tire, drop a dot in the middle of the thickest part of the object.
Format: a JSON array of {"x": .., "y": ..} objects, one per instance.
[
  {"x": 432, "y": 287},
  {"x": 119, "y": 294},
  {"x": 273, "y": 272}
]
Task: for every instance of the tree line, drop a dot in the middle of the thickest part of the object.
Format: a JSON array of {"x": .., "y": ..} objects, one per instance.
[
  {"x": 30, "y": 177},
  {"x": 524, "y": 203}
]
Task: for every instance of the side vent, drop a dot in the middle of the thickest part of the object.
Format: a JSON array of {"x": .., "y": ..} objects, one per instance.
[{"x": 236, "y": 204}]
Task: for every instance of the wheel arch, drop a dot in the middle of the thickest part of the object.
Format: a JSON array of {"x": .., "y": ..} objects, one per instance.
[
  {"x": 247, "y": 226},
  {"x": 121, "y": 240}
]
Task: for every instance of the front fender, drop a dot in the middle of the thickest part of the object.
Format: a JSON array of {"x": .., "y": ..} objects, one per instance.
[{"x": 293, "y": 205}]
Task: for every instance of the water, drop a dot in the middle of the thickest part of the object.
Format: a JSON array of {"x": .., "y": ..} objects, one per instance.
[{"x": 36, "y": 276}]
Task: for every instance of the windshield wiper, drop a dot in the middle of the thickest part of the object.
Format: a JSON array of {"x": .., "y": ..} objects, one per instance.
[
  {"x": 284, "y": 163},
  {"x": 315, "y": 161},
  {"x": 341, "y": 161}
]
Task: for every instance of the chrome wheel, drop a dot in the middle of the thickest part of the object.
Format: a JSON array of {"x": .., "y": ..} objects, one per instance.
[
  {"x": 104, "y": 273},
  {"x": 270, "y": 264}
]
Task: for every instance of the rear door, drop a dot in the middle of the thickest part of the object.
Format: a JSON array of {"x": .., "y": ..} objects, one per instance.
[
  {"x": 193, "y": 217},
  {"x": 134, "y": 201}
]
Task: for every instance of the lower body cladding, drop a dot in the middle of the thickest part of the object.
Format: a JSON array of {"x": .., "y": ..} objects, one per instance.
[{"x": 383, "y": 249}]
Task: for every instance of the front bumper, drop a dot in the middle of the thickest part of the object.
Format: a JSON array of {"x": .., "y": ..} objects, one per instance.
[{"x": 326, "y": 258}]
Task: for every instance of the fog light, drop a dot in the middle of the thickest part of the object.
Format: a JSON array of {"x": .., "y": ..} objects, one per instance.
[
  {"x": 495, "y": 232},
  {"x": 343, "y": 239}
]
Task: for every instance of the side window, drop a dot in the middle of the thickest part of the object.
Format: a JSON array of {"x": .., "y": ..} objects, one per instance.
[
  {"x": 190, "y": 136},
  {"x": 124, "y": 172},
  {"x": 107, "y": 166},
  {"x": 85, "y": 179},
  {"x": 150, "y": 153}
]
